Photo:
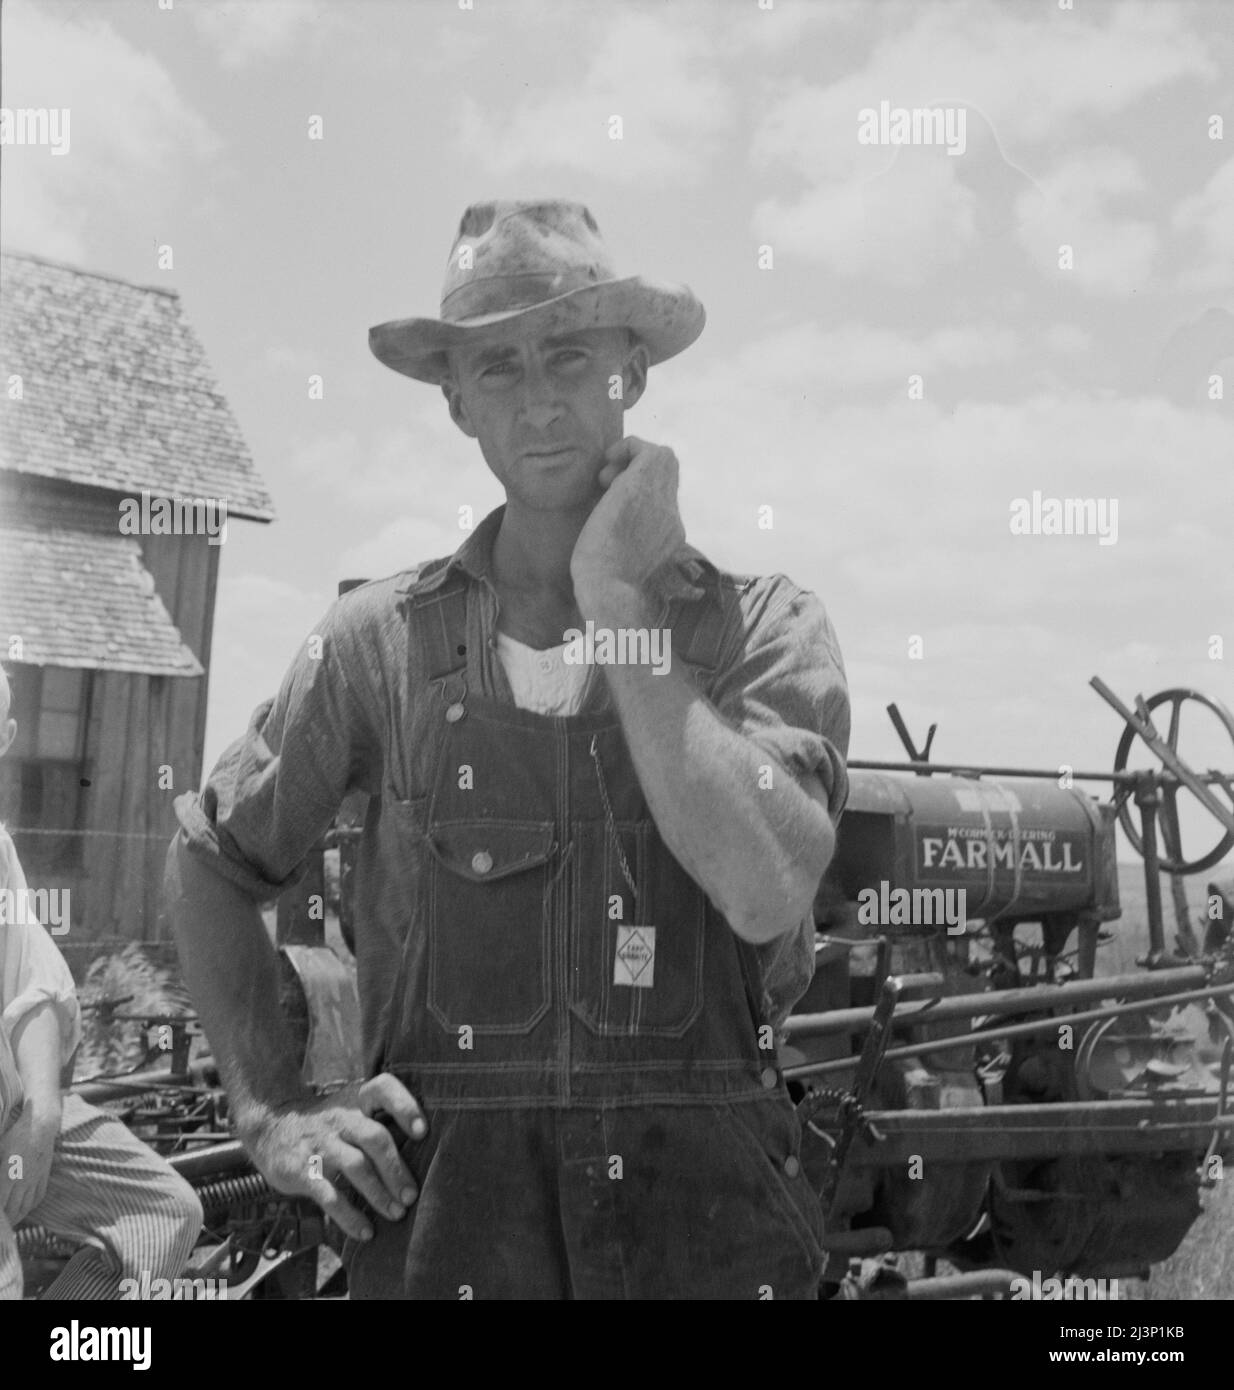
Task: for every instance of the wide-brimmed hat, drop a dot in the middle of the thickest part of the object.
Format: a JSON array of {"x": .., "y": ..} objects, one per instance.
[{"x": 518, "y": 267}]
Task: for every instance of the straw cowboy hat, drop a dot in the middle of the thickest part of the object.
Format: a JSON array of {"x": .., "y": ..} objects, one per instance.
[{"x": 520, "y": 267}]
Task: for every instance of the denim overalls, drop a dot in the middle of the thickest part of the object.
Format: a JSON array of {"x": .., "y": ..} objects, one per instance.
[{"x": 580, "y": 1024}]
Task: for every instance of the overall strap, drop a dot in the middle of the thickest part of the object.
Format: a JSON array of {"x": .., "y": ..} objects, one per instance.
[
  {"x": 698, "y": 629},
  {"x": 437, "y": 629}
]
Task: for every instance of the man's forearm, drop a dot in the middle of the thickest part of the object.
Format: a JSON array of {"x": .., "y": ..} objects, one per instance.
[
  {"x": 230, "y": 967},
  {"x": 758, "y": 851}
]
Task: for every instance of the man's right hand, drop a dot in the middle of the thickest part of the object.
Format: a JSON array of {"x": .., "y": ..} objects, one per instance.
[{"x": 302, "y": 1146}]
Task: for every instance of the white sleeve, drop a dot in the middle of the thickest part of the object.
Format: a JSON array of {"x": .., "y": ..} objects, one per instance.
[{"x": 32, "y": 970}]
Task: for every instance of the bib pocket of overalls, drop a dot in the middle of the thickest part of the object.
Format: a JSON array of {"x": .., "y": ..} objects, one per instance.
[
  {"x": 637, "y": 962},
  {"x": 489, "y": 956}
]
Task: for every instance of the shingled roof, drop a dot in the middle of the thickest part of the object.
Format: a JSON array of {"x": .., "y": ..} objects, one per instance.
[
  {"x": 78, "y": 596},
  {"x": 116, "y": 390}
]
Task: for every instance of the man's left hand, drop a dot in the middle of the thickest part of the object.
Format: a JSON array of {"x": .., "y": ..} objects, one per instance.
[
  {"x": 635, "y": 528},
  {"x": 32, "y": 1139}
]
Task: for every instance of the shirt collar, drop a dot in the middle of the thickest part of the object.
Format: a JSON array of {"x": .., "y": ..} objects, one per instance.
[{"x": 681, "y": 579}]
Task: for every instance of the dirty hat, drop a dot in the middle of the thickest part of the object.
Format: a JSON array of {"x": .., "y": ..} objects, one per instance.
[{"x": 535, "y": 266}]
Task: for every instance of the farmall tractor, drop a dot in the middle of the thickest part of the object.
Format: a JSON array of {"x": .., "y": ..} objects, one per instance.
[{"x": 974, "y": 1086}]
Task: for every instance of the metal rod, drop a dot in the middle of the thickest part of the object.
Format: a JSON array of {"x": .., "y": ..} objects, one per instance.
[
  {"x": 1148, "y": 802},
  {"x": 968, "y": 1285},
  {"x": 100, "y": 1089},
  {"x": 1000, "y": 1001},
  {"x": 211, "y": 1162},
  {"x": 1014, "y": 1030},
  {"x": 1128, "y": 778},
  {"x": 1052, "y": 1116},
  {"x": 992, "y": 1133}
]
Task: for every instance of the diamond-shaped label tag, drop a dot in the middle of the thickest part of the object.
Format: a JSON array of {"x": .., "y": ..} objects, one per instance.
[{"x": 635, "y": 961}]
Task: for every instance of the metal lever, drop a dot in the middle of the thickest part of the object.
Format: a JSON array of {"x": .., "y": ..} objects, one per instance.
[
  {"x": 901, "y": 728},
  {"x": 851, "y": 1107}
]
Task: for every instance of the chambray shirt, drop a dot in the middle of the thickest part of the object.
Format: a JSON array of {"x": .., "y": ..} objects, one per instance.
[{"x": 337, "y": 722}]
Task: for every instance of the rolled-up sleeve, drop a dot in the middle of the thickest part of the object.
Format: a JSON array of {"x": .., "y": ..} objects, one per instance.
[
  {"x": 782, "y": 684},
  {"x": 32, "y": 970},
  {"x": 274, "y": 792}
]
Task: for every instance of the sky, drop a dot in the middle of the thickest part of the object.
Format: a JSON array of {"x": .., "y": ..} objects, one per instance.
[{"x": 901, "y": 341}]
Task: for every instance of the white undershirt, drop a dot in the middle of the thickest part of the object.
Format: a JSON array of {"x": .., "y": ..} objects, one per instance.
[{"x": 540, "y": 680}]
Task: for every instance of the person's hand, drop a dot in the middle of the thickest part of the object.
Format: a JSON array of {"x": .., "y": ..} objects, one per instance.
[
  {"x": 635, "y": 528},
  {"x": 302, "y": 1147},
  {"x": 32, "y": 1139}
]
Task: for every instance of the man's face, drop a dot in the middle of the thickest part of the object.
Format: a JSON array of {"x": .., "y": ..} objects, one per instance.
[{"x": 544, "y": 409}]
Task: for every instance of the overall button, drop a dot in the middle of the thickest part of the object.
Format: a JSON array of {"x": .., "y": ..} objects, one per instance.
[
  {"x": 792, "y": 1166},
  {"x": 454, "y": 713},
  {"x": 482, "y": 861},
  {"x": 770, "y": 1077}
]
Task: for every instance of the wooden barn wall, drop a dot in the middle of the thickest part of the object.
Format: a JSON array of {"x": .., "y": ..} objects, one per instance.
[
  {"x": 185, "y": 571},
  {"x": 130, "y": 816},
  {"x": 139, "y": 725}
]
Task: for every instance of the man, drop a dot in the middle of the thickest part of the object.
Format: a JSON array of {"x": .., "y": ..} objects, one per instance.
[
  {"x": 66, "y": 1165},
  {"x": 584, "y": 891}
]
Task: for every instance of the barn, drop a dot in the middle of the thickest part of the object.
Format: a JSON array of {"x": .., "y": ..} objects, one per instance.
[{"x": 118, "y": 458}]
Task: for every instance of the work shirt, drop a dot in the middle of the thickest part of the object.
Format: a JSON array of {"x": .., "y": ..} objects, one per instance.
[
  {"x": 32, "y": 972},
  {"x": 342, "y": 722}
]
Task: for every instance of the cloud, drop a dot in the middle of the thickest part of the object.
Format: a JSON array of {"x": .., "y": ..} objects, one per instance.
[
  {"x": 1113, "y": 255},
  {"x": 425, "y": 465},
  {"x": 862, "y": 228},
  {"x": 927, "y": 211},
  {"x": 286, "y": 357},
  {"x": 1209, "y": 215},
  {"x": 821, "y": 361},
  {"x": 658, "y": 75},
  {"x": 133, "y": 138},
  {"x": 245, "y": 33},
  {"x": 1192, "y": 353},
  {"x": 258, "y": 623},
  {"x": 1067, "y": 340},
  {"x": 901, "y": 215},
  {"x": 400, "y": 545},
  {"x": 992, "y": 59}
]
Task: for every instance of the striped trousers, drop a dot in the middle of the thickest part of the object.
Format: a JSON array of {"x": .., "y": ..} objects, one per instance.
[{"x": 129, "y": 1211}]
